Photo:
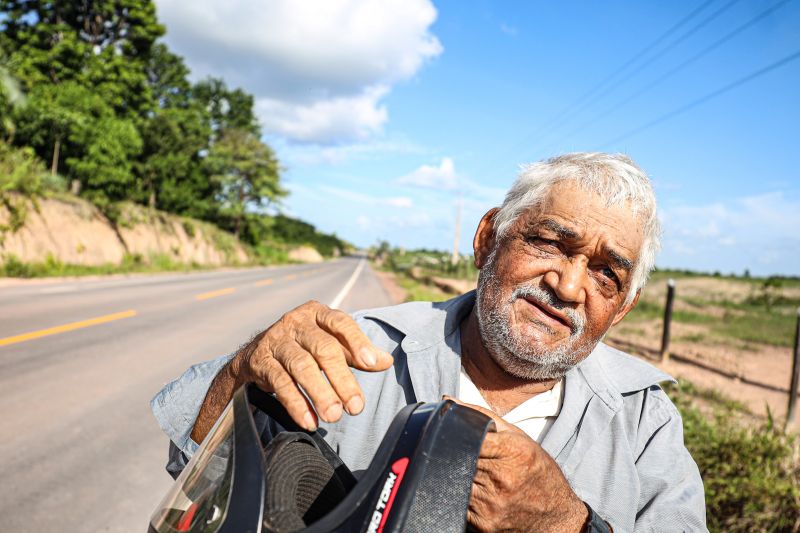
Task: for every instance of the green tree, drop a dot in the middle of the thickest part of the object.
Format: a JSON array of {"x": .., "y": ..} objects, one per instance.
[
  {"x": 228, "y": 109},
  {"x": 174, "y": 137},
  {"x": 246, "y": 173},
  {"x": 11, "y": 98},
  {"x": 74, "y": 129},
  {"x": 171, "y": 166},
  {"x": 102, "y": 45},
  {"x": 106, "y": 168},
  {"x": 168, "y": 78},
  {"x": 58, "y": 121},
  {"x": 83, "y": 64}
]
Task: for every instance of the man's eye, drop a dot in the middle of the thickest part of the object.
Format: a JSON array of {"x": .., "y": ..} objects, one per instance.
[
  {"x": 540, "y": 241},
  {"x": 609, "y": 273}
]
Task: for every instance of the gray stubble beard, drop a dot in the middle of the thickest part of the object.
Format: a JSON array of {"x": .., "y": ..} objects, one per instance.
[{"x": 518, "y": 356}]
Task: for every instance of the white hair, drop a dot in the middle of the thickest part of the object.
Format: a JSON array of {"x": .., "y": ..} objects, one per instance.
[{"x": 614, "y": 177}]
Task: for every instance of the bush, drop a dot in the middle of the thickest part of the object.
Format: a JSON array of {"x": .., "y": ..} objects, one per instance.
[
  {"x": 12, "y": 267},
  {"x": 21, "y": 171},
  {"x": 22, "y": 176},
  {"x": 751, "y": 473},
  {"x": 266, "y": 254},
  {"x": 292, "y": 231}
]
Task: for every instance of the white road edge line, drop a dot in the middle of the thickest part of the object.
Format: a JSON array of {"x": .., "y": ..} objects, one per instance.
[{"x": 349, "y": 285}]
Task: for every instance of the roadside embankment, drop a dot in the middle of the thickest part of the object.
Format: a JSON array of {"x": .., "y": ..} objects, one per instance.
[{"x": 70, "y": 230}]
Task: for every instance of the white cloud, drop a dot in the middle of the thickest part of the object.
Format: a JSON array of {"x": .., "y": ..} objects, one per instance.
[
  {"x": 414, "y": 220},
  {"x": 364, "y": 223},
  {"x": 312, "y": 154},
  {"x": 735, "y": 234},
  {"x": 402, "y": 202},
  {"x": 344, "y": 117},
  {"x": 443, "y": 177},
  {"x": 318, "y": 69},
  {"x": 509, "y": 30}
]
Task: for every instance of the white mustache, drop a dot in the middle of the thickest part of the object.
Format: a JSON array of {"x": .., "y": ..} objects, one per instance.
[{"x": 540, "y": 295}]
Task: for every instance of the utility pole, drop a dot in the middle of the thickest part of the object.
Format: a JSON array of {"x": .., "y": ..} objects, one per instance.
[
  {"x": 795, "y": 380},
  {"x": 455, "y": 257},
  {"x": 667, "y": 320}
]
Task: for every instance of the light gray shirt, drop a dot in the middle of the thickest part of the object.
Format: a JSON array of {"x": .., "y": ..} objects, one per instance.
[{"x": 618, "y": 438}]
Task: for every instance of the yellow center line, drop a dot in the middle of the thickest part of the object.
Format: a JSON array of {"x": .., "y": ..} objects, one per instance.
[
  {"x": 214, "y": 294},
  {"x": 67, "y": 327},
  {"x": 264, "y": 282},
  {"x": 290, "y": 277}
]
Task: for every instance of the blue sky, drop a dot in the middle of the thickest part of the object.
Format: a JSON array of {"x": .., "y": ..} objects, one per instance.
[{"x": 389, "y": 114}]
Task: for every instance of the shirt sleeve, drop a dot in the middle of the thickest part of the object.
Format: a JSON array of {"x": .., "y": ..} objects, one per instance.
[
  {"x": 176, "y": 408},
  {"x": 671, "y": 491}
]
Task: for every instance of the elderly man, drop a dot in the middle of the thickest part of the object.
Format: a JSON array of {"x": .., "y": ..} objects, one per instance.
[{"x": 586, "y": 440}]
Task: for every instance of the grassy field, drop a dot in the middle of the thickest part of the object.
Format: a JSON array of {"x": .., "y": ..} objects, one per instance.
[
  {"x": 751, "y": 310},
  {"x": 740, "y": 328}
]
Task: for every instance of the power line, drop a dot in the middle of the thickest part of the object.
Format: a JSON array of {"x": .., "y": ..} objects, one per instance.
[
  {"x": 633, "y": 59},
  {"x": 700, "y": 25},
  {"x": 713, "y": 46},
  {"x": 660, "y": 53},
  {"x": 718, "y": 92},
  {"x": 675, "y": 27}
]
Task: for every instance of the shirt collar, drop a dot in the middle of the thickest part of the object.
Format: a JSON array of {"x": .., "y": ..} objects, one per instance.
[
  {"x": 542, "y": 405},
  {"x": 425, "y": 324}
]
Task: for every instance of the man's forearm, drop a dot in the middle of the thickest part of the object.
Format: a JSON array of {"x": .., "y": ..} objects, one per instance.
[{"x": 219, "y": 394}]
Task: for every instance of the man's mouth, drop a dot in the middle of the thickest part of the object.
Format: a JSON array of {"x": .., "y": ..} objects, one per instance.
[{"x": 549, "y": 315}]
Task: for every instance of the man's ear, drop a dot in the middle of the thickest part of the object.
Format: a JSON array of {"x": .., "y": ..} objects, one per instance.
[
  {"x": 483, "y": 243},
  {"x": 627, "y": 308}
]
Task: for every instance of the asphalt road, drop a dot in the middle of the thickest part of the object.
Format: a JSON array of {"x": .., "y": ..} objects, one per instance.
[{"x": 80, "y": 361}]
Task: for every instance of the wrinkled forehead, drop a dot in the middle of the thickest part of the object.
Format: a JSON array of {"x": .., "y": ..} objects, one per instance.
[{"x": 574, "y": 213}]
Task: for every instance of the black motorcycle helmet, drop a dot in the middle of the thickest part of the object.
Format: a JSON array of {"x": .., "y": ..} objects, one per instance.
[{"x": 419, "y": 480}]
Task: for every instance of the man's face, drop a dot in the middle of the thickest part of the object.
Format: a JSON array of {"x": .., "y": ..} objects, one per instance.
[{"x": 556, "y": 282}]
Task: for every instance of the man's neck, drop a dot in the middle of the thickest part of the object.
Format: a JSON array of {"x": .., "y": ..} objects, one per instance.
[{"x": 502, "y": 391}]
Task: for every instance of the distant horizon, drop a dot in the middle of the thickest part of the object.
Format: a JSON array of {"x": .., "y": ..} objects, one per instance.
[{"x": 744, "y": 274}]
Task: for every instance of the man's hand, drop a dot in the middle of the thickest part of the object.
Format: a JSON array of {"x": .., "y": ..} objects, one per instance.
[
  {"x": 518, "y": 486},
  {"x": 293, "y": 354}
]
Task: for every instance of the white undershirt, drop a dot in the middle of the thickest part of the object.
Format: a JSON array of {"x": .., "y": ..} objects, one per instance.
[{"x": 533, "y": 416}]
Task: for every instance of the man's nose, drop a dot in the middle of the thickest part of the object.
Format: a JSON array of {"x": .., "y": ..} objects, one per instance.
[{"x": 568, "y": 279}]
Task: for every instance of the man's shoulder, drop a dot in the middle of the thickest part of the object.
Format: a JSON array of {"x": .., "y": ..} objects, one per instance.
[
  {"x": 627, "y": 373},
  {"x": 426, "y": 322},
  {"x": 641, "y": 403}
]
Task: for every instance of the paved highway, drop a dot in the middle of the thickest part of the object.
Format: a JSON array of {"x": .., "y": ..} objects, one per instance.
[{"x": 80, "y": 360}]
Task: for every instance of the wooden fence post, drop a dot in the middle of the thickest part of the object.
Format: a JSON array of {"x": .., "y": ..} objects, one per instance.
[
  {"x": 791, "y": 410},
  {"x": 667, "y": 320}
]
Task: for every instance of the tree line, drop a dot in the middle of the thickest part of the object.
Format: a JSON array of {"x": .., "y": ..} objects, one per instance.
[{"x": 90, "y": 89}]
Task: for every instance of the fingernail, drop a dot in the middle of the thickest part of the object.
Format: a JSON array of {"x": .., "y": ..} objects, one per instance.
[
  {"x": 333, "y": 413},
  {"x": 355, "y": 405},
  {"x": 368, "y": 357},
  {"x": 308, "y": 421}
]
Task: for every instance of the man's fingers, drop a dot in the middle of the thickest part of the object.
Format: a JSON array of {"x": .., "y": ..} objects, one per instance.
[
  {"x": 304, "y": 370},
  {"x": 480, "y": 503},
  {"x": 364, "y": 355},
  {"x": 333, "y": 359},
  {"x": 272, "y": 377}
]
